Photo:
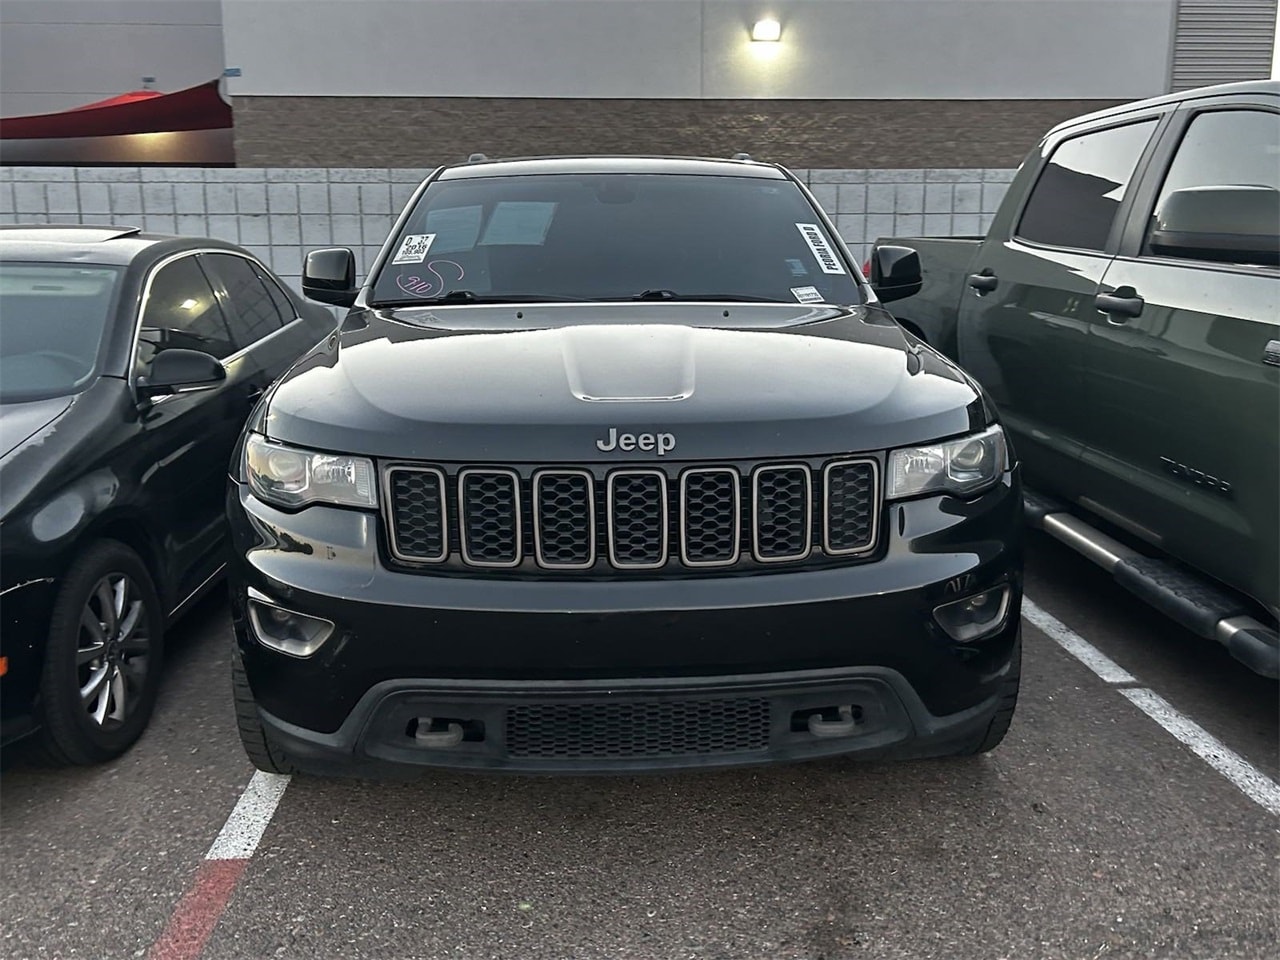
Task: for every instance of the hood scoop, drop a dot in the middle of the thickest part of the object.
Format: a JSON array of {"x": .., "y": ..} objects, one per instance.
[{"x": 650, "y": 364}]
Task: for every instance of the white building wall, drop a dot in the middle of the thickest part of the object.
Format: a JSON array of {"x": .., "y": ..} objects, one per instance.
[
  {"x": 873, "y": 49},
  {"x": 280, "y": 213},
  {"x": 59, "y": 54}
]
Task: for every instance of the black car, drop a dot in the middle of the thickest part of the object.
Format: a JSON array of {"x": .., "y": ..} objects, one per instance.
[
  {"x": 128, "y": 365},
  {"x": 618, "y": 464}
]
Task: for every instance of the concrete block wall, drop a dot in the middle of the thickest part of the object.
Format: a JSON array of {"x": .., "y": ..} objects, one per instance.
[{"x": 278, "y": 213}]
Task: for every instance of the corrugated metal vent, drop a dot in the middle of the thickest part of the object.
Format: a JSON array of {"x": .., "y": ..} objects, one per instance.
[{"x": 1222, "y": 41}]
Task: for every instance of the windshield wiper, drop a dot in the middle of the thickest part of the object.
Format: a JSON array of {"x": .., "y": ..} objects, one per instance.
[
  {"x": 469, "y": 296},
  {"x": 672, "y": 296}
]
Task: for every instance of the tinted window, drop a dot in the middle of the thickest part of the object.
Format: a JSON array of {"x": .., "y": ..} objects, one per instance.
[
  {"x": 1074, "y": 202},
  {"x": 281, "y": 299},
  {"x": 52, "y": 318},
  {"x": 1230, "y": 148},
  {"x": 614, "y": 236},
  {"x": 182, "y": 312},
  {"x": 254, "y": 314}
]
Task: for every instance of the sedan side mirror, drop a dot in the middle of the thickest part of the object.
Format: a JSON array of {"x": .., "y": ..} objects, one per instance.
[
  {"x": 180, "y": 371},
  {"x": 1232, "y": 224},
  {"x": 895, "y": 273},
  {"x": 329, "y": 276}
]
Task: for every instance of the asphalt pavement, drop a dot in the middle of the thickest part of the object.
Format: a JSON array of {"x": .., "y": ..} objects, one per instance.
[{"x": 1090, "y": 833}]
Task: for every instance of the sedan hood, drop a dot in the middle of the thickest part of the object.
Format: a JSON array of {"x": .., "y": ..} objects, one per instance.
[
  {"x": 506, "y": 386},
  {"x": 21, "y": 421}
]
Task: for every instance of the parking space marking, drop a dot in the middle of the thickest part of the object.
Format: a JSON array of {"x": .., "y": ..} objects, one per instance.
[
  {"x": 1247, "y": 778},
  {"x": 248, "y": 821},
  {"x": 1255, "y": 784},
  {"x": 1076, "y": 645},
  {"x": 198, "y": 911}
]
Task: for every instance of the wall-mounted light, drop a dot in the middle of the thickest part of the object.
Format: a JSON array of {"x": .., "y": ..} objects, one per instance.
[{"x": 766, "y": 31}]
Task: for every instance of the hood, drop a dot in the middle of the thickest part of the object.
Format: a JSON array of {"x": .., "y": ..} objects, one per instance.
[
  {"x": 556, "y": 384},
  {"x": 21, "y": 421}
]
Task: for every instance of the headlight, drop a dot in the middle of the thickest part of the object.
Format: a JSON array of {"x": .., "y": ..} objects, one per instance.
[
  {"x": 962, "y": 466},
  {"x": 289, "y": 477}
]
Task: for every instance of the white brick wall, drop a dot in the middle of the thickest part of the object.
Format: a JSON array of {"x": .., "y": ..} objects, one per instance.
[{"x": 278, "y": 213}]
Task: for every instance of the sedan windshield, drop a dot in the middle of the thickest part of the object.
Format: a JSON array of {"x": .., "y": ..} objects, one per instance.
[
  {"x": 52, "y": 318},
  {"x": 614, "y": 237}
]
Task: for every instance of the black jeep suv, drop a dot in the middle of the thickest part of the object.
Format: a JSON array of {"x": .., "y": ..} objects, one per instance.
[{"x": 618, "y": 464}]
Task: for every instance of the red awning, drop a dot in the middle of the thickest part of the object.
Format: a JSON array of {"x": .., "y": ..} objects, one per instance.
[
  {"x": 133, "y": 96},
  {"x": 142, "y": 111}
]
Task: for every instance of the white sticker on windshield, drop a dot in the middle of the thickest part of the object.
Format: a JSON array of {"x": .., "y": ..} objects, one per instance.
[
  {"x": 414, "y": 248},
  {"x": 822, "y": 251},
  {"x": 807, "y": 294}
]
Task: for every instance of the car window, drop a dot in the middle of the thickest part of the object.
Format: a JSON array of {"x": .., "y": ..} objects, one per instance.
[
  {"x": 1075, "y": 199},
  {"x": 615, "y": 236},
  {"x": 1226, "y": 149},
  {"x": 284, "y": 305},
  {"x": 52, "y": 320},
  {"x": 182, "y": 312},
  {"x": 254, "y": 313}
]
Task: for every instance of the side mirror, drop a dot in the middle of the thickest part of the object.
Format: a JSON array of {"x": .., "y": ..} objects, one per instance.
[
  {"x": 1232, "y": 224},
  {"x": 895, "y": 273},
  {"x": 329, "y": 276},
  {"x": 179, "y": 371}
]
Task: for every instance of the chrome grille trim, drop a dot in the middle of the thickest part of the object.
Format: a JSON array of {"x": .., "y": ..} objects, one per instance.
[
  {"x": 803, "y": 469},
  {"x": 392, "y": 508},
  {"x": 538, "y": 538},
  {"x": 462, "y": 517},
  {"x": 874, "y": 537},
  {"x": 736, "y": 481},
  {"x": 611, "y": 518},
  {"x": 675, "y": 518}
]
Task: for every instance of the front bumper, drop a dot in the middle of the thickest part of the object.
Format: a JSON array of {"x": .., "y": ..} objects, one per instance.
[
  {"x": 631, "y": 725},
  {"x": 670, "y": 661},
  {"x": 25, "y": 608}
]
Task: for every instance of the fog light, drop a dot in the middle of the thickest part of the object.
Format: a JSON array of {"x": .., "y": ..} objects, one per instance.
[
  {"x": 287, "y": 631},
  {"x": 974, "y": 617}
]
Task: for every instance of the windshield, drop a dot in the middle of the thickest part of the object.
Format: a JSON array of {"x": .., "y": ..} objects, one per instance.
[
  {"x": 52, "y": 317},
  {"x": 614, "y": 237}
]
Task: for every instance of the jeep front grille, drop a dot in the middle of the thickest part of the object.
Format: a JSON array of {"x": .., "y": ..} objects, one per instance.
[{"x": 605, "y": 520}]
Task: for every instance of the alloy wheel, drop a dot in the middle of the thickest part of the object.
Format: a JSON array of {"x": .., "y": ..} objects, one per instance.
[{"x": 113, "y": 649}]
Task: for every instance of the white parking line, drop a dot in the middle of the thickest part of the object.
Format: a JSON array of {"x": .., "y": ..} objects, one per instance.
[
  {"x": 1076, "y": 645},
  {"x": 1255, "y": 784},
  {"x": 1247, "y": 778},
  {"x": 248, "y": 821},
  {"x": 200, "y": 908}
]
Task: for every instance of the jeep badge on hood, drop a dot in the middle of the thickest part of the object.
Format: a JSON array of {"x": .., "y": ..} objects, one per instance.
[{"x": 663, "y": 443}]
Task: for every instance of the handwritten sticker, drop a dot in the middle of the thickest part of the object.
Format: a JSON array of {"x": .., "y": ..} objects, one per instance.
[
  {"x": 807, "y": 294},
  {"x": 414, "y": 248},
  {"x": 822, "y": 251},
  {"x": 430, "y": 282}
]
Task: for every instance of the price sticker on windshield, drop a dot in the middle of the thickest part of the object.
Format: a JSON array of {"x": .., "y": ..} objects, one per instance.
[
  {"x": 822, "y": 252},
  {"x": 806, "y": 294},
  {"x": 414, "y": 248}
]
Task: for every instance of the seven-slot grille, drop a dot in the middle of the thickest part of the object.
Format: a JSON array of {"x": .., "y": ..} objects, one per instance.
[{"x": 629, "y": 519}]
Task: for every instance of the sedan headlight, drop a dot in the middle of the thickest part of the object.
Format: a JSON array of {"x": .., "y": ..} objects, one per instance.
[
  {"x": 962, "y": 466},
  {"x": 290, "y": 477}
]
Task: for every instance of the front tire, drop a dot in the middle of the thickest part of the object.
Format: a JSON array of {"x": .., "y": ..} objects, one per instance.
[
  {"x": 262, "y": 751},
  {"x": 999, "y": 725},
  {"x": 103, "y": 657}
]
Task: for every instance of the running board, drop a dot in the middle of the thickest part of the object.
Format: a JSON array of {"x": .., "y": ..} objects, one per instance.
[{"x": 1195, "y": 602}]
